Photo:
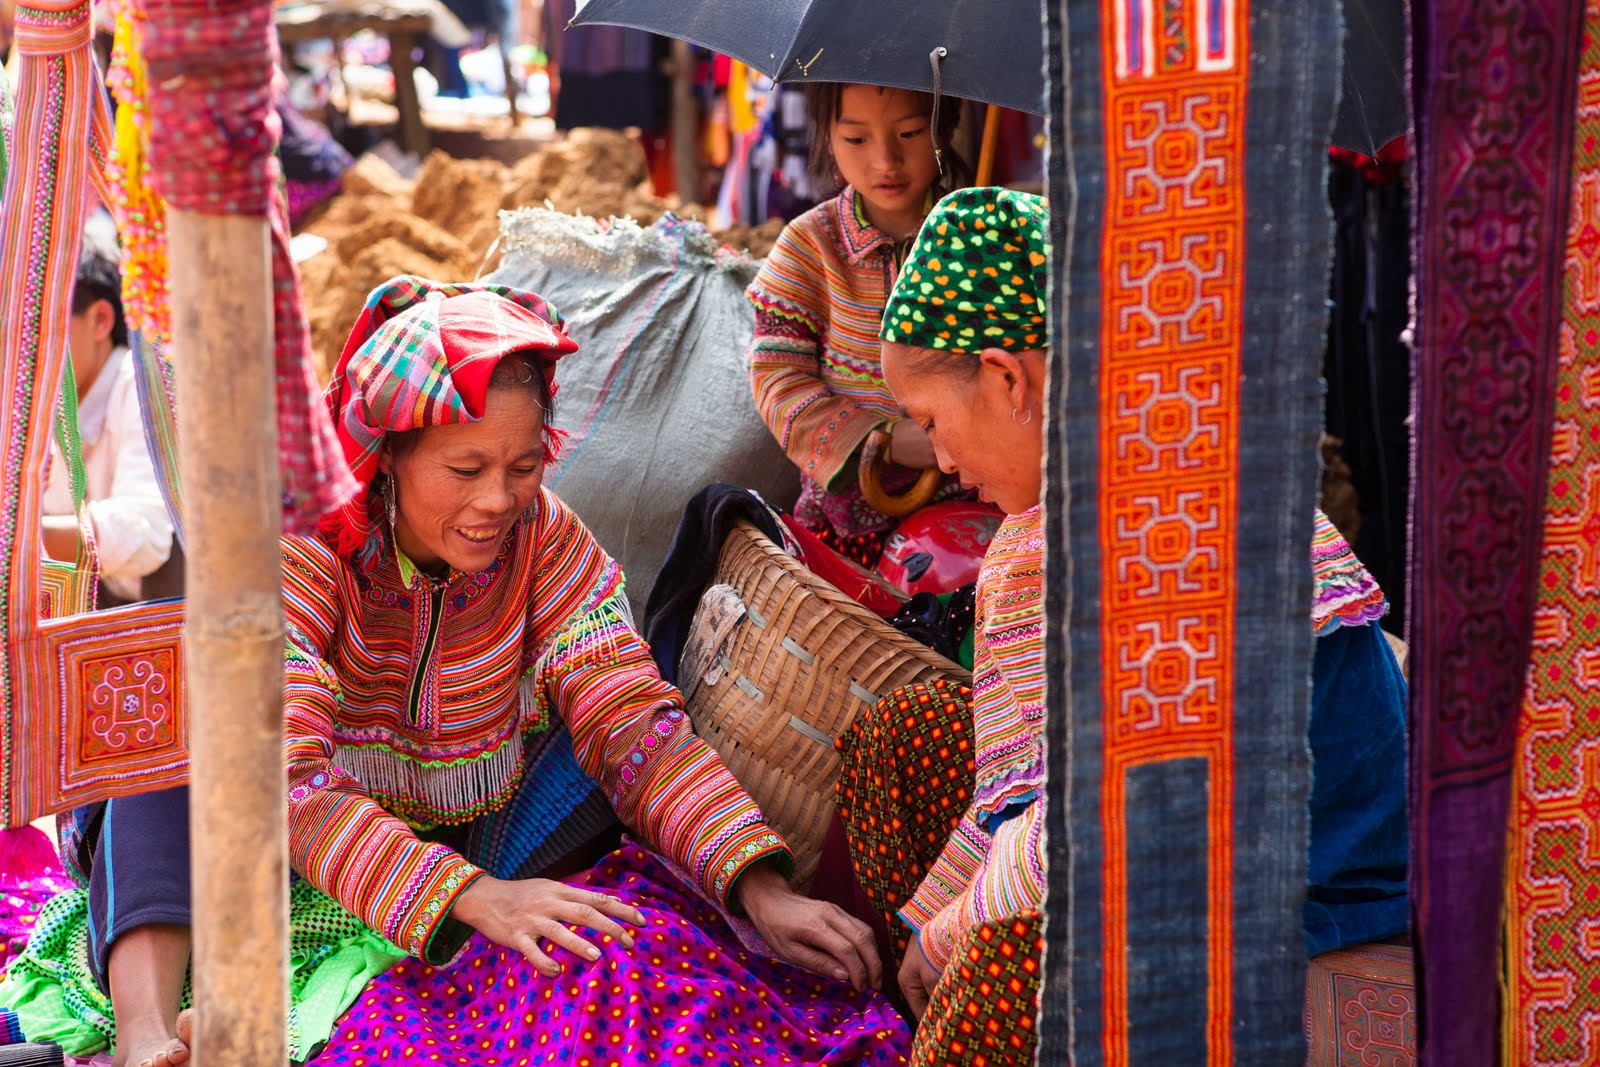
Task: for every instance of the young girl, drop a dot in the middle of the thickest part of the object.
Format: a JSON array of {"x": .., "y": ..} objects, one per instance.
[{"x": 819, "y": 301}]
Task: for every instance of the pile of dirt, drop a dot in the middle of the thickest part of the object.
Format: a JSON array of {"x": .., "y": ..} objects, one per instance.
[{"x": 444, "y": 223}]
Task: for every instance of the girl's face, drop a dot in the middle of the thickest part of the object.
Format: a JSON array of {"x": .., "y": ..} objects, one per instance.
[
  {"x": 460, "y": 488},
  {"x": 883, "y": 146},
  {"x": 970, "y": 420}
]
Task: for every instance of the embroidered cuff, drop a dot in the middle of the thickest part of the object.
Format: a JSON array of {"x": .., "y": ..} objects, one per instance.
[
  {"x": 834, "y": 451},
  {"x": 737, "y": 854},
  {"x": 422, "y": 929}
]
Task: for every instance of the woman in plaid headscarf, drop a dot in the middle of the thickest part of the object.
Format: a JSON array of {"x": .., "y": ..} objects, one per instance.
[{"x": 468, "y": 713}]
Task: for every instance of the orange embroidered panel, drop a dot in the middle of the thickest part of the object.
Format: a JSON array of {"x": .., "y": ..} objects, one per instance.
[
  {"x": 1172, "y": 281},
  {"x": 113, "y": 686}
]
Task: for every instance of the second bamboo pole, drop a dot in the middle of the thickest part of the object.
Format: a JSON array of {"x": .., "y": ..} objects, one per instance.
[{"x": 228, "y": 452}]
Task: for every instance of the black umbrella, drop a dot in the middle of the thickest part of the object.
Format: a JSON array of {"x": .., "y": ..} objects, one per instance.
[
  {"x": 992, "y": 50},
  {"x": 1372, "y": 104}
]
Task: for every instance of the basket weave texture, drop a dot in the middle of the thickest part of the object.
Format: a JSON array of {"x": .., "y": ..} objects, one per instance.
[{"x": 803, "y": 663}]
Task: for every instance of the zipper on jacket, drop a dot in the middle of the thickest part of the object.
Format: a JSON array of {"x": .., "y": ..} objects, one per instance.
[{"x": 434, "y": 606}]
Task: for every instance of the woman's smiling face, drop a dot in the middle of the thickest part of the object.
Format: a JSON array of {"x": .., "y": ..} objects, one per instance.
[{"x": 459, "y": 488}]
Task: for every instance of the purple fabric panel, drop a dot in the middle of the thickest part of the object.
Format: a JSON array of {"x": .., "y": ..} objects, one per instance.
[{"x": 1493, "y": 85}]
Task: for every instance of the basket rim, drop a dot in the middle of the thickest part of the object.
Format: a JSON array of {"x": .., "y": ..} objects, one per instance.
[{"x": 835, "y": 598}]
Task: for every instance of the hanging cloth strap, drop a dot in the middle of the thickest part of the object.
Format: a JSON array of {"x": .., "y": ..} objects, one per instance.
[{"x": 69, "y": 588}]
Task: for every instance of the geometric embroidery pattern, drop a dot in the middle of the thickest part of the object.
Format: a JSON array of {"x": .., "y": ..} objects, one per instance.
[
  {"x": 1361, "y": 1008},
  {"x": 1552, "y": 996},
  {"x": 1171, "y": 294},
  {"x": 117, "y": 687}
]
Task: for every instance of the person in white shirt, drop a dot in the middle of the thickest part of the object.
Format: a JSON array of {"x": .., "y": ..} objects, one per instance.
[{"x": 132, "y": 528}]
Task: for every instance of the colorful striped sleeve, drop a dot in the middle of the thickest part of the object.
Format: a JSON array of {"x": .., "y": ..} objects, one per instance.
[
  {"x": 340, "y": 840},
  {"x": 629, "y": 729},
  {"x": 818, "y": 429},
  {"x": 1010, "y": 877}
]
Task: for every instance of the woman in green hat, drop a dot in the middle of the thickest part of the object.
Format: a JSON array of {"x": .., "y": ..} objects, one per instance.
[{"x": 940, "y": 785}]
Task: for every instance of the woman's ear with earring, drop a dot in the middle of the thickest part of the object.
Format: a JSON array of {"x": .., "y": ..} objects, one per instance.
[{"x": 390, "y": 508}]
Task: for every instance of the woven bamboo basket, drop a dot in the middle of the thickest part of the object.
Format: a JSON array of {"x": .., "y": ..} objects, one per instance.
[{"x": 792, "y": 675}]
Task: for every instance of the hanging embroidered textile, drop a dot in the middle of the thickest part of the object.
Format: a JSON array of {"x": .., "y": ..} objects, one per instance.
[
  {"x": 1493, "y": 156},
  {"x": 213, "y": 135},
  {"x": 1551, "y": 1015},
  {"x": 141, "y": 221},
  {"x": 1188, "y": 179},
  {"x": 90, "y": 705}
]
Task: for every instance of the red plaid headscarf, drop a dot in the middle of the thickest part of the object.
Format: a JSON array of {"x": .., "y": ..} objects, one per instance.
[{"x": 421, "y": 355}]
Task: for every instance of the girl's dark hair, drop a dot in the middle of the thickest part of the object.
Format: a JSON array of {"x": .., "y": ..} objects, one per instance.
[
  {"x": 824, "y": 101},
  {"x": 519, "y": 370}
]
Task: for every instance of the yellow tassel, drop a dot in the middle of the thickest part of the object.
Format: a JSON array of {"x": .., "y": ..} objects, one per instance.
[{"x": 141, "y": 215}]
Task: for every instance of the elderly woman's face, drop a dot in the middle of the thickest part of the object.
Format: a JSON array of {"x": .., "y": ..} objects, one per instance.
[
  {"x": 459, "y": 490},
  {"x": 984, "y": 427}
]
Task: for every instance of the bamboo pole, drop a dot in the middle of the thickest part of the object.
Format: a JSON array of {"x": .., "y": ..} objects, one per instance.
[
  {"x": 685, "y": 124},
  {"x": 228, "y": 450}
]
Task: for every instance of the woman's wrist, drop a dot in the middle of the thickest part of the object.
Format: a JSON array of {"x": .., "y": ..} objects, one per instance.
[
  {"x": 468, "y": 906},
  {"x": 756, "y": 884}
]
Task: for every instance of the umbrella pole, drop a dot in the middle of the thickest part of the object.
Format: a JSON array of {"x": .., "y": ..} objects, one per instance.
[
  {"x": 991, "y": 143},
  {"x": 685, "y": 125},
  {"x": 222, "y": 330}
]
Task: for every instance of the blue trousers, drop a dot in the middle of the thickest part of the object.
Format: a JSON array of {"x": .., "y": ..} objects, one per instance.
[{"x": 139, "y": 875}]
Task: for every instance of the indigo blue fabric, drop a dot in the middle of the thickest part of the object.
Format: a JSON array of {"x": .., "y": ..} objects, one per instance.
[
  {"x": 140, "y": 873},
  {"x": 1356, "y": 882},
  {"x": 557, "y": 810}
]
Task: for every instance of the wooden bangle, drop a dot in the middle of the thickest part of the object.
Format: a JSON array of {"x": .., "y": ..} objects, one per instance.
[{"x": 871, "y": 480}]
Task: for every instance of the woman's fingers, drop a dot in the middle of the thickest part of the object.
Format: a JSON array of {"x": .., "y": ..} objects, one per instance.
[
  {"x": 916, "y": 996},
  {"x": 588, "y": 916},
  {"x": 608, "y": 905},
  {"x": 528, "y": 945},
  {"x": 802, "y": 955},
  {"x": 821, "y": 935},
  {"x": 918, "y": 977},
  {"x": 859, "y": 934},
  {"x": 559, "y": 933}
]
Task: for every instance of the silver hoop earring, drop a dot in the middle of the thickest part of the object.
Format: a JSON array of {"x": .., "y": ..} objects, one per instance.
[
  {"x": 389, "y": 508},
  {"x": 1021, "y": 422}
]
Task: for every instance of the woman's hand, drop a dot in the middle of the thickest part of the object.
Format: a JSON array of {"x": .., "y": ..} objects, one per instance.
[
  {"x": 910, "y": 446},
  {"x": 917, "y": 978},
  {"x": 519, "y": 915},
  {"x": 808, "y": 933}
]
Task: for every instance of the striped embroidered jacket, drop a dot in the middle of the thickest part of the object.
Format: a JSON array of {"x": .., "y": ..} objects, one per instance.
[
  {"x": 408, "y": 701},
  {"x": 815, "y": 368},
  {"x": 993, "y": 865}
]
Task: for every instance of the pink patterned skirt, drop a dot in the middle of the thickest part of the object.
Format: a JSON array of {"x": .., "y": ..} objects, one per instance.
[{"x": 687, "y": 993}]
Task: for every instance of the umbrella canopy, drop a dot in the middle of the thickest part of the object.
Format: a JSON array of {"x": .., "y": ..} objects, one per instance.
[
  {"x": 1372, "y": 101},
  {"x": 994, "y": 49}
]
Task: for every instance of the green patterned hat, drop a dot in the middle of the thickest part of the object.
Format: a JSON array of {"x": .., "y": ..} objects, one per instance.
[{"x": 976, "y": 276}]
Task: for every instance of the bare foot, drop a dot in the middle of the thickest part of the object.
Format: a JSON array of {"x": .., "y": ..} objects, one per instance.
[{"x": 152, "y": 1045}]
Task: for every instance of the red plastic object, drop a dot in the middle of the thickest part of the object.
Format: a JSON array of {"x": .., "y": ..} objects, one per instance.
[
  {"x": 940, "y": 548},
  {"x": 867, "y": 588}
]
